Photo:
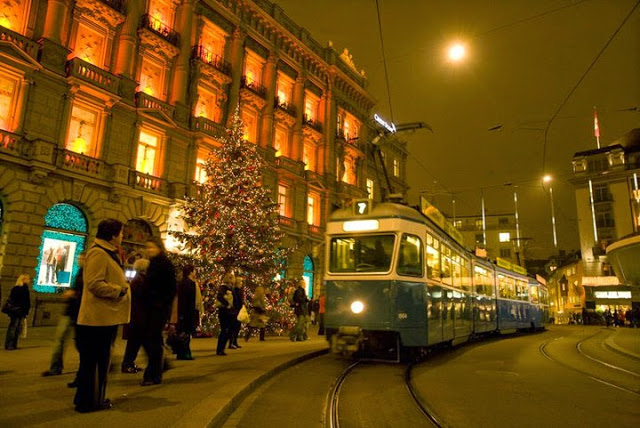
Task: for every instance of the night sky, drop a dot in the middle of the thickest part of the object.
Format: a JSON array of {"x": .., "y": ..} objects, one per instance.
[{"x": 525, "y": 56}]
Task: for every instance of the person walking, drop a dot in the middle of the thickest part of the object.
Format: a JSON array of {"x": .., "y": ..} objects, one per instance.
[
  {"x": 135, "y": 330},
  {"x": 258, "y": 320},
  {"x": 224, "y": 303},
  {"x": 238, "y": 303},
  {"x": 298, "y": 332},
  {"x": 158, "y": 296},
  {"x": 321, "y": 309},
  {"x": 17, "y": 308},
  {"x": 67, "y": 322},
  {"x": 105, "y": 304},
  {"x": 188, "y": 311}
]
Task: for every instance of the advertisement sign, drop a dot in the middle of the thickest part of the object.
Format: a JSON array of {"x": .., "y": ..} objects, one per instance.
[{"x": 56, "y": 263}]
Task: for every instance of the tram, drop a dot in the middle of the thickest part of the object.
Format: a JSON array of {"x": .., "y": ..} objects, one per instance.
[{"x": 397, "y": 284}]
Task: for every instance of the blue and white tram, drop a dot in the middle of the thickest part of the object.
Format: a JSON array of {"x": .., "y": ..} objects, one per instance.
[{"x": 395, "y": 281}]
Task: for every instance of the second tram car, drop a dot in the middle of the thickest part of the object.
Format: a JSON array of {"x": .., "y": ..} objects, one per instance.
[{"x": 395, "y": 282}]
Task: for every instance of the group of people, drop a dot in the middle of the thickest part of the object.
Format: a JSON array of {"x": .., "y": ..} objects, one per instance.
[
  {"x": 630, "y": 317},
  {"x": 306, "y": 311}
]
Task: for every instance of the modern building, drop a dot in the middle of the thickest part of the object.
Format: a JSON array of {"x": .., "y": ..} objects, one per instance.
[
  {"x": 109, "y": 108},
  {"x": 608, "y": 207},
  {"x": 498, "y": 237}
]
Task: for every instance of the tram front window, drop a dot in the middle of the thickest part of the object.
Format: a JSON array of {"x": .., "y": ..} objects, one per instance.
[{"x": 361, "y": 253}]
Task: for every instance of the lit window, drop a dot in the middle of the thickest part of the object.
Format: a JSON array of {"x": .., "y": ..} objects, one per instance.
[
  {"x": 310, "y": 106},
  {"x": 504, "y": 236},
  {"x": 162, "y": 13},
  {"x": 283, "y": 200},
  {"x": 313, "y": 209},
  {"x": 151, "y": 78},
  {"x": 396, "y": 168},
  {"x": 253, "y": 66},
  {"x": 284, "y": 87},
  {"x": 350, "y": 127},
  {"x": 250, "y": 121},
  {"x": 207, "y": 105},
  {"x": 309, "y": 156},
  {"x": 81, "y": 135},
  {"x": 201, "y": 172},
  {"x": 148, "y": 144},
  {"x": 7, "y": 102},
  {"x": 281, "y": 141},
  {"x": 90, "y": 45},
  {"x": 349, "y": 171},
  {"x": 479, "y": 224},
  {"x": 212, "y": 40},
  {"x": 370, "y": 188}
]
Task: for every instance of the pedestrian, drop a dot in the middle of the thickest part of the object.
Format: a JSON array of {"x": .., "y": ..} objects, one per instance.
[
  {"x": 189, "y": 310},
  {"x": 135, "y": 330},
  {"x": 224, "y": 304},
  {"x": 17, "y": 308},
  {"x": 238, "y": 303},
  {"x": 585, "y": 317},
  {"x": 321, "y": 309},
  {"x": 615, "y": 317},
  {"x": 67, "y": 322},
  {"x": 298, "y": 332},
  {"x": 158, "y": 295},
  {"x": 105, "y": 304},
  {"x": 607, "y": 317},
  {"x": 258, "y": 320}
]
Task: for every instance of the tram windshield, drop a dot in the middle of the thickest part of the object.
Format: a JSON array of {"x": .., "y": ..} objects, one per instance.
[{"x": 351, "y": 254}]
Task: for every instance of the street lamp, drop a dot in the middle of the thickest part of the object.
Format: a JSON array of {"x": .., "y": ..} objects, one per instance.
[
  {"x": 457, "y": 52},
  {"x": 547, "y": 179}
]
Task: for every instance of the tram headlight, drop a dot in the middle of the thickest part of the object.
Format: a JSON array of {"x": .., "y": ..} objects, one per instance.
[{"x": 357, "y": 307}]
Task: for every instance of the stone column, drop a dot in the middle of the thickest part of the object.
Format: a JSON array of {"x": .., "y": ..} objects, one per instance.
[
  {"x": 270, "y": 78},
  {"x": 126, "y": 59},
  {"x": 330, "y": 120},
  {"x": 54, "y": 23},
  {"x": 298, "y": 101},
  {"x": 184, "y": 24},
  {"x": 236, "y": 55}
]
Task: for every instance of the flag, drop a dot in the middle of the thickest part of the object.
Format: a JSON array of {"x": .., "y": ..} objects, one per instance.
[{"x": 596, "y": 127}]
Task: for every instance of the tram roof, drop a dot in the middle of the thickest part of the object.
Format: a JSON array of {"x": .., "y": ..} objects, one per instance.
[{"x": 380, "y": 210}]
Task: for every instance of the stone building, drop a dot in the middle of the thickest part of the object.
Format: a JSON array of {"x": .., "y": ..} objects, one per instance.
[
  {"x": 500, "y": 232},
  {"x": 109, "y": 108}
]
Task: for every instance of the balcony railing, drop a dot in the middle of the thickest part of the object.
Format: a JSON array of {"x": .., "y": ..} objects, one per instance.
[
  {"x": 9, "y": 143},
  {"x": 207, "y": 126},
  {"x": 79, "y": 163},
  {"x": 160, "y": 28},
  {"x": 92, "y": 74},
  {"x": 607, "y": 222},
  {"x": 25, "y": 44},
  {"x": 117, "y": 5},
  {"x": 315, "y": 230},
  {"x": 312, "y": 175},
  {"x": 290, "y": 165},
  {"x": 285, "y": 106},
  {"x": 147, "y": 101},
  {"x": 257, "y": 89},
  {"x": 314, "y": 124},
  {"x": 287, "y": 222},
  {"x": 216, "y": 61},
  {"x": 139, "y": 180}
]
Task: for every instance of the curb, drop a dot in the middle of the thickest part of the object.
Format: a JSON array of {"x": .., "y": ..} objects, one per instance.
[
  {"x": 609, "y": 343},
  {"x": 221, "y": 417}
]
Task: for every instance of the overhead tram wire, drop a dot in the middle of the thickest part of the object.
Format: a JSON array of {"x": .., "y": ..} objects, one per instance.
[
  {"x": 384, "y": 61},
  {"x": 575, "y": 87}
]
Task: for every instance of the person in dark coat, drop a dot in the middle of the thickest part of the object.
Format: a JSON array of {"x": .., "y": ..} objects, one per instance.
[
  {"x": 188, "y": 315},
  {"x": 136, "y": 327},
  {"x": 20, "y": 299},
  {"x": 238, "y": 302},
  {"x": 299, "y": 333},
  {"x": 224, "y": 304},
  {"x": 159, "y": 292}
]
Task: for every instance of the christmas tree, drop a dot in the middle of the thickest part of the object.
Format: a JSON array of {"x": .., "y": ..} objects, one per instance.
[{"x": 233, "y": 223}]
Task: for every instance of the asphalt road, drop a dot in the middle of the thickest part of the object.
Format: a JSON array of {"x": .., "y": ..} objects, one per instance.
[{"x": 563, "y": 377}]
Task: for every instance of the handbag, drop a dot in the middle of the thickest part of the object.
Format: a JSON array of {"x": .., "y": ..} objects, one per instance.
[
  {"x": 10, "y": 308},
  {"x": 243, "y": 315}
]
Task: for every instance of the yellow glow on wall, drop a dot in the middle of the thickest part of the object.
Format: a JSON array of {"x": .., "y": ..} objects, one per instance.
[{"x": 5, "y": 22}]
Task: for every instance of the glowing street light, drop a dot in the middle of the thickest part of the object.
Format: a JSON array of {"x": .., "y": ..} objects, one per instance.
[
  {"x": 547, "y": 179},
  {"x": 457, "y": 52}
]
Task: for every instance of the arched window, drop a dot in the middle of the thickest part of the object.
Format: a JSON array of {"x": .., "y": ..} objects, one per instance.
[
  {"x": 307, "y": 268},
  {"x": 64, "y": 237},
  {"x": 134, "y": 237}
]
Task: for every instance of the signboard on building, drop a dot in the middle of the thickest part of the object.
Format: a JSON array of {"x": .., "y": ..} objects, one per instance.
[
  {"x": 595, "y": 281},
  {"x": 434, "y": 214},
  {"x": 512, "y": 267}
]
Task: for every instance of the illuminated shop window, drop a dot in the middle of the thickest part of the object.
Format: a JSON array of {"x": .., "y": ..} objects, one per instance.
[
  {"x": 208, "y": 105},
  {"x": 250, "y": 122},
  {"x": 369, "y": 188},
  {"x": 311, "y": 106},
  {"x": 281, "y": 143},
  {"x": 213, "y": 41},
  {"x": 283, "y": 200},
  {"x": 64, "y": 237},
  {"x": 8, "y": 91},
  {"x": 313, "y": 209},
  {"x": 90, "y": 45},
  {"x": 81, "y": 136},
  {"x": 309, "y": 156},
  {"x": 148, "y": 147},
  {"x": 284, "y": 88},
  {"x": 14, "y": 14},
  {"x": 253, "y": 67},
  {"x": 151, "y": 78},
  {"x": 307, "y": 275}
]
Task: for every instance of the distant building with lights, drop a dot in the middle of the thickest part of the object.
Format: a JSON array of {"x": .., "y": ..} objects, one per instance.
[
  {"x": 109, "y": 108},
  {"x": 501, "y": 235}
]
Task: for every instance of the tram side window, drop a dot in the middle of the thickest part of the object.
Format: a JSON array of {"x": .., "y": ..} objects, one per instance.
[
  {"x": 362, "y": 253},
  {"x": 446, "y": 264},
  {"x": 410, "y": 258},
  {"x": 534, "y": 294},
  {"x": 506, "y": 286},
  {"x": 466, "y": 277},
  {"x": 433, "y": 258},
  {"x": 479, "y": 279},
  {"x": 522, "y": 288}
]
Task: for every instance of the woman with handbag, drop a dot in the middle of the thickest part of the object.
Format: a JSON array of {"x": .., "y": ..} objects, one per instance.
[
  {"x": 17, "y": 307},
  {"x": 259, "y": 318}
]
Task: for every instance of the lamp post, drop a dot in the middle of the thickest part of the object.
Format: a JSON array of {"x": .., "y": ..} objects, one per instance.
[{"x": 547, "y": 179}]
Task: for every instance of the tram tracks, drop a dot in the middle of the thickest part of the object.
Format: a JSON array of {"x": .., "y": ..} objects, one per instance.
[{"x": 333, "y": 400}]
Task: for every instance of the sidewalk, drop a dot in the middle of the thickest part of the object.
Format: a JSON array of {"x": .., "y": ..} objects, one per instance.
[
  {"x": 625, "y": 341},
  {"x": 193, "y": 393}
]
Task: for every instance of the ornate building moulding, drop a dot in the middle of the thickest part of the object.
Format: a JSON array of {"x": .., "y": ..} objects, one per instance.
[
  {"x": 212, "y": 15},
  {"x": 97, "y": 11},
  {"x": 155, "y": 44}
]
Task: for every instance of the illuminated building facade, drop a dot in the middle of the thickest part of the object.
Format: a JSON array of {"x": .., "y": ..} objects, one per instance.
[{"x": 109, "y": 108}]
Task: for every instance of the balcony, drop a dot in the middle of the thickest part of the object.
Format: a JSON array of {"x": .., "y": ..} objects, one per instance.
[
  {"x": 207, "y": 126},
  {"x": 76, "y": 162},
  {"x": 77, "y": 68},
  {"x": 10, "y": 143},
  {"x": 286, "y": 107},
  {"x": 313, "y": 124},
  {"x": 24, "y": 44},
  {"x": 349, "y": 190},
  {"x": 315, "y": 230},
  {"x": 160, "y": 29},
  {"x": 117, "y": 5},
  {"x": 254, "y": 87},
  {"x": 139, "y": 180},
  {"x": 208, "y": 57},
  {"x": 287, "y": 222},
  {"x": 312, "y": 176},
  {"x": 290, "y": 165},
  {"x": 146, "y": 101}
]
